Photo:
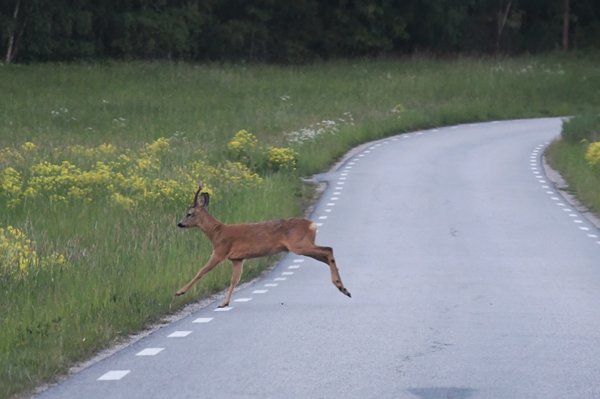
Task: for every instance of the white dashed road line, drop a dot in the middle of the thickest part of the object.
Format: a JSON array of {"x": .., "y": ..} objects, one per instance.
[
  {"x": 150, "y": 352},
  {"x": 114, "y": 375},
  {"x": 203, "y": 320},
  {"x": 179, "y": 334}
]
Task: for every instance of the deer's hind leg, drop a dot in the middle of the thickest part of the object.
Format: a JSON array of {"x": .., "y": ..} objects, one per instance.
[{"x": 323, "y": 254}]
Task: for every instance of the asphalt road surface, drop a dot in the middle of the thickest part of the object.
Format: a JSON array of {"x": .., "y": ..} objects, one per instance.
[{"x": 471, "y": 277}]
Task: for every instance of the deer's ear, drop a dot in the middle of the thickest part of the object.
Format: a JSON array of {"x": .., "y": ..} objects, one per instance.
[{"x": 205, "y": 199}]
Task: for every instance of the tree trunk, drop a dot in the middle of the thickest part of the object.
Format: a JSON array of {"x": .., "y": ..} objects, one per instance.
[
  {"x": 565, "y": 27},
  {"x": 14, "y": 36},
  {"x": 502, "y": 18}
]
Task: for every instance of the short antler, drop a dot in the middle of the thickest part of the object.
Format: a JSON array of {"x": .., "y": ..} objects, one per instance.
[{"x": 197, "y": 193}]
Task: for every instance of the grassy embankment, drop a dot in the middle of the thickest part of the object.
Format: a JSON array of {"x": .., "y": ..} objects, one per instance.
[
  {"x": 577, "y": 157},
  {"x": 95, "y": 193}
]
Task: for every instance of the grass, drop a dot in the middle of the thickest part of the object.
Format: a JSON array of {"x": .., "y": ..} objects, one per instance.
[
  {"x": 568, "y": 157},
  {"x": 125, "y": 263}
]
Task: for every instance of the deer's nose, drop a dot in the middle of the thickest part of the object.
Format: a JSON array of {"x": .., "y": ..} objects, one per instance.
[{"x": 180, "y": 224}]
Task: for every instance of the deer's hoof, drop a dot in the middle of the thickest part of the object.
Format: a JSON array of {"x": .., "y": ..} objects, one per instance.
[
  {"x": 223, "y": 305},
  {"x": 179, "y": 293}
]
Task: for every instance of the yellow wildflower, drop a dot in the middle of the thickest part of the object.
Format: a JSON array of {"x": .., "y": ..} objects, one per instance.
[
  {"x": 10, "y": 156},
  {"x": 158, "y": 147},
  {"x": 30, "y": 193},
  {"x": 242, "y": 144},
  {"x": 147, "y": 164},
  {"x": 18, "y": 256},
  {"x": 238, "y": 174},
  {"x": 10, "y": 185},
  {"x": 592, "y": 154},
  {"x": 107, "y": 149},
  {"x": 282, "y": 158},
  {"x": 122, "y": 201},
  {"x": 29, "y": 146}
]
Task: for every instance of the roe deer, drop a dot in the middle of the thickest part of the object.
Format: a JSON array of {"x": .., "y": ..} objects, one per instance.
[{"x": 238, "y": 242}]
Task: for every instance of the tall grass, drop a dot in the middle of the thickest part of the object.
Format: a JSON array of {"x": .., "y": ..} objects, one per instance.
[
  {"x": 568, "y": 156},
  {"x": 124, "y": 264}
]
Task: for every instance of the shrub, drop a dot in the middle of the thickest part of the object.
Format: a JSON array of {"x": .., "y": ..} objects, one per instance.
[
  {"x": 245, "y": 149},
  {"x": 582, "y": 128}
]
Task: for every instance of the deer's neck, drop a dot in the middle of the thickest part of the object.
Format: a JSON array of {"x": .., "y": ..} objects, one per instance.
[{"x": 209, "y": 224}]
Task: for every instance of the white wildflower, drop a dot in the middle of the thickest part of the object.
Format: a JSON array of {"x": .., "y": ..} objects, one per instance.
[{"x": 323, "y": 127}]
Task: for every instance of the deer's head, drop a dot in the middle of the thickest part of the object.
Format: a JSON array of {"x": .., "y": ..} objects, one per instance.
[{"x": 193, "y": 215}]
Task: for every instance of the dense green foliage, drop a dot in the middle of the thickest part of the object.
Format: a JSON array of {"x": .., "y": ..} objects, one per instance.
[
  {"x": 583, "y": 128},
  {"x": 289, "y": 31}
]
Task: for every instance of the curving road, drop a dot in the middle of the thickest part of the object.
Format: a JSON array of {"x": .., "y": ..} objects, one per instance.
[{"x": 471, "y": 277}]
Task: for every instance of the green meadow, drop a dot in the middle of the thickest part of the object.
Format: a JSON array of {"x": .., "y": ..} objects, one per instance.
[{"x": 99, "y": 161}]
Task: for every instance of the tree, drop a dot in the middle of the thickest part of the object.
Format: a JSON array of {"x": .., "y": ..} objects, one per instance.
[
  {"x": 14, "y": 33},
  {"x": 565, "y": 26},
  {"x": 279, "y": 31},
  {"x": 502, "y": 18}
]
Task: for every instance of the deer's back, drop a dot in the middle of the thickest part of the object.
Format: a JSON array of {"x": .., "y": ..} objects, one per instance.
[{"x": 251, "y": 240}]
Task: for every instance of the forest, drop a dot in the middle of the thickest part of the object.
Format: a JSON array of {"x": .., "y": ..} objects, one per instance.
[{"x": 297, "y": 31}]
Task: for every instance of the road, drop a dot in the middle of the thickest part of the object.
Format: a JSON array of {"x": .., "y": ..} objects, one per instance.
[{"x": 471, "y": 277}]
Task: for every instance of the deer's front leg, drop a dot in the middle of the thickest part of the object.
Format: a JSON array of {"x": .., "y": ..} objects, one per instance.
[
  {"x": 236, "y": 273},
  {"x": 212, "y": 262}
]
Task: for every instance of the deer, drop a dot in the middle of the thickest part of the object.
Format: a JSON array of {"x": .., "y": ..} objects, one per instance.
[{"x": 238, "y": 242}]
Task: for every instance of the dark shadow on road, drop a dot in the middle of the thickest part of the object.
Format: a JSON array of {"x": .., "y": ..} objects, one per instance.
[{"x": 442, "y": 392}]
